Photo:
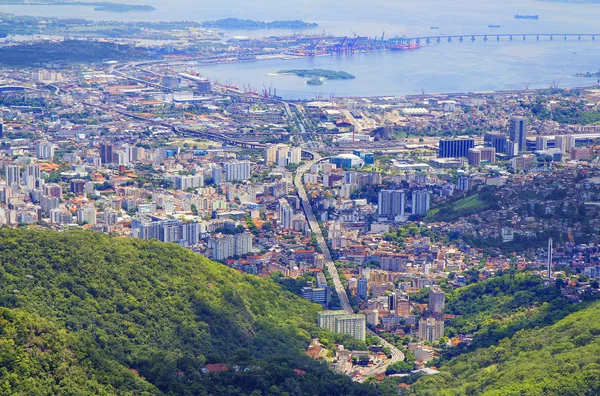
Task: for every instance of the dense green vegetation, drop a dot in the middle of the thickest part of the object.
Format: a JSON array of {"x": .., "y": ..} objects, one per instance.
[
  {"x": 319, "y": 73},
  {"x": 501, "y": 306},
  {"x": 36, "y": 357},
  {"x": 70, "y": 51},
  {"x": 561, "y": 359},
  {"x": 484, "y": 200},
  {"x": 123, "y": 306},
  {"x": 564, "y": 113}
]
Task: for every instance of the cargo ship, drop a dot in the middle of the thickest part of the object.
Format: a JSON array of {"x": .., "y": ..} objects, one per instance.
[
  {"x": 404, "y": 47},
  {"x": 493, "y": 26},
  {"x": 520, "y": 16}
]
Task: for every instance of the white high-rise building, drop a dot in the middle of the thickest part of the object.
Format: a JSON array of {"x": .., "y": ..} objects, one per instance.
[
  {"x": 354, "y": 325},
  {"x": 420, "y": 202},
  {"x": 87, "y": 215},
  {"x": 431, "y": 330},
  {"x": 286, "y": 214},
  {"x": 32, "y": 176},
  {"x": 45, "y": 151},
  {"x": 236, "y": 171},
  {"x": 295, "y": 155},
  {"x": 390, "y": 203}
]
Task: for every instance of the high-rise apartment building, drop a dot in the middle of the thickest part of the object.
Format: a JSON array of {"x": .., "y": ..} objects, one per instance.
[
  {"x": 430, "y": 329},
  {"x": 353, "y": 325},
  {"x": 236, "y": 171},
  {"x": 437, "y": 300},
  {"x": 390, "y": 203},
  {"x": 45, "y": 151},
  {"x": 420, "y": 202},
  {"x": 13, "y": 175}
]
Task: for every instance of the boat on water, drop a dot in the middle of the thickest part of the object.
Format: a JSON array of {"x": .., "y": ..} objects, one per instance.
[
  {"x": 405, "y": 47},
  {"x": 493, "y": 26},
  {"x": 434, "y": 28},
  {"x": 521, "y": 16}
]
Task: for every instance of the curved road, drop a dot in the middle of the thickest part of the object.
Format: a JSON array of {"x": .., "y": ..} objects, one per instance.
[{"x": 397, "y": 355}]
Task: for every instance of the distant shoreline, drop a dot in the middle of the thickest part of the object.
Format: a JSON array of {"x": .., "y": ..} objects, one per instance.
[{"x": 98, "y": 5}]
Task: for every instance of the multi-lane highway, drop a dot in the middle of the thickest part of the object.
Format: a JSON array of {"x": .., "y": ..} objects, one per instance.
[{"x": 397, "y": 355}]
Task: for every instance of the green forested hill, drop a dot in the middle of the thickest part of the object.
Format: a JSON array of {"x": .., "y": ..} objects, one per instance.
[
  {"x": 38, "y": 358},
  {"x": 561, "y": 359},
  {"x": 122, "y": 306}
]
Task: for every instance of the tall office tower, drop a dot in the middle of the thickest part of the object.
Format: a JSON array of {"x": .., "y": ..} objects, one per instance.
[
  {"x": 549, "y": 269},
  {"x": 392, "y": 302},
  {"x": 420, "y": 202},
  {"x": 436, "y": 299},
  {"x": 235, "y": 171},
  {"x": 353, "y": 325},
  {"x": 362, "y": 289},
  {"x": 454, "y": 148},
  {"x": 45, "y": 151},
  {"x": 390, "y": 203},
  {"x": 431, "y": 330},
  {"x": 106, "y": 153},
  {"x": 13, "y": 175},
  {"x": 518, "y": 132},
  {"x": 499, "y": 142},
  {"x": 32, "y": 176}
]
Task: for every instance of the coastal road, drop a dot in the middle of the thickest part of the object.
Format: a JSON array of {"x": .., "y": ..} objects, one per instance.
[{"x": 397, "y": 355}]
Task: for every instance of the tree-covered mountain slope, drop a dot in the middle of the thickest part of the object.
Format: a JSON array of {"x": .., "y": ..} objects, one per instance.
[
  {"x": 37, "y": 358},
  {"x": 560, "y": 359},
  {"x": 161, "y": 311}
]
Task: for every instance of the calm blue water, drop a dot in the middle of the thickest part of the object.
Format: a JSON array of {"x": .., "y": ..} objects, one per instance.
[{"x": 441, "y": 68}]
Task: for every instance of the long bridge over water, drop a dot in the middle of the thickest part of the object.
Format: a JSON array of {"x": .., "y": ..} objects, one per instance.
[
  {"x": 342, "y": 45},
  {"x": 493, "y": 36}
]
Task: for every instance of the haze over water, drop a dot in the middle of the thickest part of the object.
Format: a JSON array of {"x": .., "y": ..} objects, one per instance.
[{"x": 444, "y": 67}]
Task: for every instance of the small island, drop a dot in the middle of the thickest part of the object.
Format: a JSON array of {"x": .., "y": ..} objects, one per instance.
[
  {"x": 315, "y": 81},
  {"x": 319, "y": 74},
  {"x": 235, "y": 23},
  {"x": 587, "y": 74}
]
